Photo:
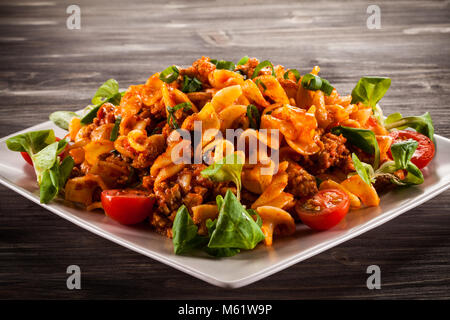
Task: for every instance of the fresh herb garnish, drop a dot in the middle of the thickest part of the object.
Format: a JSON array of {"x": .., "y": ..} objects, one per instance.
[
  {"x": 258, "y": 82},
  {"x": 107, "y": 92},
  {"x": 370, "y": 90},
  {"x": 253, "y": 116},
  {"x": 422, "y": 124},
  {"x": 262, "y": 65},
  {"x": 364, "y": 170},
  {"x": 312, "y": 82},
  {"x": 294, "y": 72},
  {"x": 243, "y": 60},
  {"x": 44, "y": 151},
  {"x": 228, "y": 168},
  {"x": 402, "y": 153},
  {"x": 191, "y": 84},
  {"x": 62, "y": 118},
  {"x": 171, "y": 116},
  {"x": 185, "y": 236},
  {"x": 169, "y": 75},
  {"x": 235, "y": 227},
  {"x": 115, "y": 129},
  {"x": 362, "y": 138}
]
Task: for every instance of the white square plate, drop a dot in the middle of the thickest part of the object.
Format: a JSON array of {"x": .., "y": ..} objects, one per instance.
[{"x": 246, "y": 267}]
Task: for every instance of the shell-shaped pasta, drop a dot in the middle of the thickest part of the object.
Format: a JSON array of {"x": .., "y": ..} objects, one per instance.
[
  {"x": 131, "y": 102},
  {"x": 254, "y": 180},
  {"x": 275, "y": 220},
  {"x": 203, "y": 212},
  {"x": 109, "y": 172},
  {"x": 221, "y": 78},
  {"x": 137, "y": 139},
  {"x": 384, "y": 143},
  {"x": 102, "y": 132},
  {"x": 221, "y": 149},
  {"x": 297, "y": 126},
  {"x": 230, "y": 115},
  {"x": 362, "y": 190},
  {"x": 273, "y": 88},
  {"x": 74, "y": 127},
  {"x": 275, "y": 189},
  {"x": 226, "y": 97},
  {"x": 210, "y": 122},
  {"x": 167, "y": 172},
  {"x": 252, "y": 92},
  {"x": 81, "y": 189},
  {"x": 96, "y": 148}
]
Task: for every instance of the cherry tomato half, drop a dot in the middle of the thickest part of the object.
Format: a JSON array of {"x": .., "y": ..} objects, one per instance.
[
  {"x": 27, "y": 157},
  {"x": 325, "y": 209},
  {"x": 425, "y": 150},
  {"x": 127, "y": 206}
]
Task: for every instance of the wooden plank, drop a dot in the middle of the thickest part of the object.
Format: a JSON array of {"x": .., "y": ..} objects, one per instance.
[{"x": 46, "y": 67}]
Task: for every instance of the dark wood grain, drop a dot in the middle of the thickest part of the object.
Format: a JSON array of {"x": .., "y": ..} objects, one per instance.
[{"x": 46, "y": 67}]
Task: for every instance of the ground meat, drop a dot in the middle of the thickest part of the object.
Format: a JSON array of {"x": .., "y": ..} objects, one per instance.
[
  {"x": 333, "y": 153},
  {"x": 105, "y": 114},
  {"x": 383, "y": 183},
  {"x": 300, "y": 182},
  {"x": 200, "y": 69},
  {"x": 188, "y": 187}
]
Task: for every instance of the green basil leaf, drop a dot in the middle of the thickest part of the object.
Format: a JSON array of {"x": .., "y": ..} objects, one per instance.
[
  {"x": 243, "y": 60},
  {"x": 394, "y": 117},
  {"x": 115, "y": 130},
  {"x": 361, "y": 169},
  {"x": 362, "y": 138},
  {"x": 414, "y": 175},
  {"x": 402, "y": 152},
  {"x": 169, "y": 75},
  {"x": 45, "y": 159},
  {"x": 228, "y": 168},
  {"x": 422, "y": 124},
  {"x": 31, "y": 142},
  {"x": 235, "y": 227},
  {"x": 370, "y": 90},
  {"x": 185, "y": 236},
  {"x": 65, "y": 169},
  {"x": 62, "y": 118},
  {"x": 47, "y": 188},
  {"x": 92, "y": 113},
  {"x": 253, "y": 116},
  {"x": 258, "y": 217},
  {"x": 262, "y": 65},
  {"x": 191, "y": 84},
  {"x": 312, "y": 82},
  {"x": 218, "y": 252},
  {"x": 105, "y": 91}
]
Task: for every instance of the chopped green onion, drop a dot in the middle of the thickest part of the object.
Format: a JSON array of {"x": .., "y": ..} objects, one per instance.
[
  {"x": 115, "y": 129},
  {"x": 170, "y": 74},
  {"x": 253, "y": 116},
  {"x": 259, "y": 67},
  {"x": 226, "y": 65},
  {"x": 191, "y": 84},
  {"x": 171, "y": 110},
  {"x": 243, "y": 60},
  {"x": 259, "y": 82},
  {"x": 314, "y": 83},
  {"x": 294, "y": 72}
]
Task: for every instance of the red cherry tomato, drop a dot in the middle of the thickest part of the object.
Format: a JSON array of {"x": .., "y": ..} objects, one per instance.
[
  {"x": 325, "y": 209},
  {"x": 127, "y": 206},
  {"x": 27, "y": 157},
  {"x": 425, "y": 150}
]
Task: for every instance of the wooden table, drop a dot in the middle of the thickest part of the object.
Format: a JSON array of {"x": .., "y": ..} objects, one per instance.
[{"x": 46, "y": 67}]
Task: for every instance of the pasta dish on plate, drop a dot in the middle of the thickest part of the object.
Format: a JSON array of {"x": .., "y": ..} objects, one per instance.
[{"x": 221, "y": 156}]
